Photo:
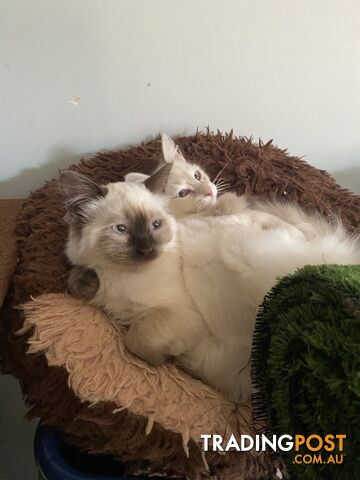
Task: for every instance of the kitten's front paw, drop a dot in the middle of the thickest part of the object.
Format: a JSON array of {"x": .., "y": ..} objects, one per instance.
[
  {"x": 230, "y": 204},
  {"x": 134, "y": 342}
]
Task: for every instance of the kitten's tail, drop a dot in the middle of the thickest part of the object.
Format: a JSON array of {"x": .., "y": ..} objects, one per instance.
[
  {"x": 312, "y": 225},
  {"x": 279, "y": 253},
  {"x": 330, "y": 244},
  {"x": 334, "y": 246}
]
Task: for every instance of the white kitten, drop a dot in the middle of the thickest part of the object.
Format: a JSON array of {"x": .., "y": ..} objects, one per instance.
[{"x": 186, "y": 186}]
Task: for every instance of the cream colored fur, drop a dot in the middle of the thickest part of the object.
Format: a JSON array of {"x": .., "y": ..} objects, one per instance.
[{"x": 229, "y": 266}]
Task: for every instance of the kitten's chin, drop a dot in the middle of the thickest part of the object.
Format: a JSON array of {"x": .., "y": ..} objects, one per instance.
[{"x": 141, "y": 258}]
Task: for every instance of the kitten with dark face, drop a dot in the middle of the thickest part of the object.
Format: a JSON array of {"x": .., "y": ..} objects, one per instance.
[
  {"x": 114, "y": 223},
  {"x": 123, "y": 234},
  {"x": 135, "y": 233}
]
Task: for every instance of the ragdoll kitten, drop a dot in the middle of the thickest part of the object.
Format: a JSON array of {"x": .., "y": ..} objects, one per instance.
[
  {"x": 187, "y": 186},
  {"x": 123, "y": 232},
  {"x": 188, "y": 289}
]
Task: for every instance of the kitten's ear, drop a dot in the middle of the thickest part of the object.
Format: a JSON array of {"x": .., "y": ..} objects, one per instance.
[
  {"x": 170, "y": 150},
  {"x": 157, "y": 182},
  {"x": 135, "y": 177},
  {"x": 78, "y": 191}
]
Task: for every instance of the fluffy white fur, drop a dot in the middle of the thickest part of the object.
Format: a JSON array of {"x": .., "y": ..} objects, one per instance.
[{"x": 229, "y": 266}]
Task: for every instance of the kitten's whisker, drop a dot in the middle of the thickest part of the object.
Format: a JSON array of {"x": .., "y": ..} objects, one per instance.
[
  {"x": 224, "y": 188},
  {"x": 218, "y": 175},
  {"x": 223, "y": 184},
  {"x": 221, "y": 181}
]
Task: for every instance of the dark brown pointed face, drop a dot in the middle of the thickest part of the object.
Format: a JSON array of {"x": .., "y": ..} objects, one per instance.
[
  {"x": 120, "y": 223},
  {"x": 147, "y": 237},
  {"x": 140, "y": 237}
]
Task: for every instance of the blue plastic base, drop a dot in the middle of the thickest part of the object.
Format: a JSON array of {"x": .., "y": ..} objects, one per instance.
[{"x": 56, "y": 460}]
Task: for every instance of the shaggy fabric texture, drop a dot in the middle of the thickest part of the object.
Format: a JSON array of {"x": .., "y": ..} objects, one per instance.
[
  {"x": 307, "y": 362},
  {"x": 48, "y": 379},
  {"x": 81, "y": 339},
  {"x": 8, "y": 213}
]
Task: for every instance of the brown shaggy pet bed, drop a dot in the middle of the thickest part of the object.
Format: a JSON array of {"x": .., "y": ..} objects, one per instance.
[{"x": 73, "y": 369}]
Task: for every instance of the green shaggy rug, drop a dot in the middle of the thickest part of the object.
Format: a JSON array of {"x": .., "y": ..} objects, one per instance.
[{"x": 306, "y": 366}]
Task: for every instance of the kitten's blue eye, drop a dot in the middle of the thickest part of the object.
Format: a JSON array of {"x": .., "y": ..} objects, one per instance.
[
  {"x": 184, "y": 192},
  {"x": 156, "y": 224},
  {"x": 119, "y": 228},
  {"x": 197, "y": 175}
]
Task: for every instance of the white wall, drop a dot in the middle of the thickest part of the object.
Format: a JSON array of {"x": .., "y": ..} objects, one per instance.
[{"x": 276, "y": 69}]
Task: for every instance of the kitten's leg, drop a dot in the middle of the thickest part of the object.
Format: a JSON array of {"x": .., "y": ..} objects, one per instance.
[
  {"x": 157, "y": 333},
  {"x": 232, "y": 204},
  {"x": 82, "y": 282},
  {"x": 229, "y": 204},
  {"x": 267, "y": 222},
  {"x": 147, "y": 336},
  {"x": 309, "y": 224}
]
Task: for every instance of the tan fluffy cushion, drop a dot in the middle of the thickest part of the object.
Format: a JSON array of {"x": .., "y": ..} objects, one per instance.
[{"x": 83, "y": 341}]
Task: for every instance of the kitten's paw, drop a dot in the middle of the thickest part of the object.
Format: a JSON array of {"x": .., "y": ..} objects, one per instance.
[
  {"x": 230, "y": 204},
  {"x": 134, "y": 342}
]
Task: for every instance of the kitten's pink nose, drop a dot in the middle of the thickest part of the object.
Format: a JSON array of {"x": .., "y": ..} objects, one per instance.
[{"x": 209, "y": 194}]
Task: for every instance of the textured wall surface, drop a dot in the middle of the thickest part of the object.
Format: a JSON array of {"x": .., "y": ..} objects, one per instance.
[{"x": 79, "y": 76}]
